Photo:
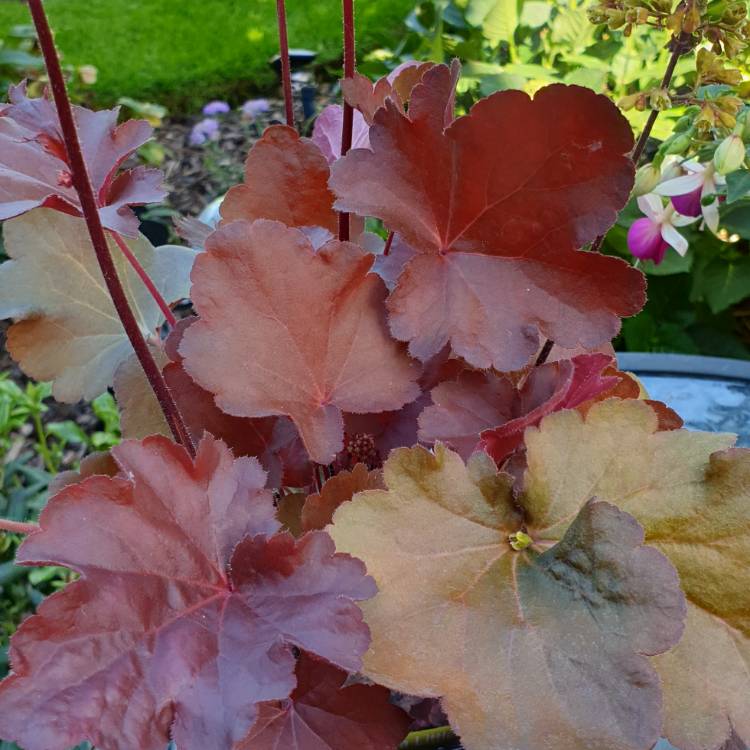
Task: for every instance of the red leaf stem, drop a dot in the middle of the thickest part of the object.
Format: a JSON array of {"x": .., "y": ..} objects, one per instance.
[
  {"x": 17, "y": 527},
  {"x": 388, "y": 243},
  {"x": 82, "y": 184},
  {"x": 145, "y": 278},
  {"x": 286, "y": 71},
  {"x": 348, "y": 123}
]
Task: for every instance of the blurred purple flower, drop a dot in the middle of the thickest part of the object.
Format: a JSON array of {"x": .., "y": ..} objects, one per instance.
[
  {"x": 216, "y": 107},
  {"x": 205, "y": 130},
  {"x": 253, "y": 107}
]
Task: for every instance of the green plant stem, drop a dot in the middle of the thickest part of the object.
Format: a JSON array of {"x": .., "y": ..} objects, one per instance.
[
  {"x": 428, "y": 738},
  {"x": 85, "y": 192},
  {"x": 678, "y": 49},
  {"x": 42, "y": 443}
]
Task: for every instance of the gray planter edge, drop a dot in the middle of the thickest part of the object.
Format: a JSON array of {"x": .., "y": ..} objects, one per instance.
[{"x": 653, "y": 363}]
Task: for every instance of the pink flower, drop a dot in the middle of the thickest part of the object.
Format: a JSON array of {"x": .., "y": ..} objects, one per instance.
[
  {"x": 649, "y": 237},
  {"x": 688, "y": 191}
]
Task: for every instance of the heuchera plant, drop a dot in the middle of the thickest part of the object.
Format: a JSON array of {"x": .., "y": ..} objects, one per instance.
[{"x": 366, "y": 472}]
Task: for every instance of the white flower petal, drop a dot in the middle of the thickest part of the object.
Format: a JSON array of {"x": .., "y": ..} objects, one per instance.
[
  {"x": 652, "y": 206},
  {"x": 711, "y": 216},
  {"x": 672, "y": 237},
  {"x": 680, "y": 185},
  {"x": 678, "y": 220}
]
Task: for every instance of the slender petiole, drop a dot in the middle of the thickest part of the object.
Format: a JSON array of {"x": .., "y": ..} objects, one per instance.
[{"x": 83, "y": 187}]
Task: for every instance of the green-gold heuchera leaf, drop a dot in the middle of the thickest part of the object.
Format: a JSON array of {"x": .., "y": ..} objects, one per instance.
[
  {"x": 691, "y": 493},
  {"x": 495, "y": 205},
  {"x": 67, "y": 329},
  {"x": 187, "y": 612},
  {"x": 545, "y": 641}
]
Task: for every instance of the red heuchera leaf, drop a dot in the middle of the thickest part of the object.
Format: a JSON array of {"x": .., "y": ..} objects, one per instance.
[
  {"x": 495, "y": 205},
  {"x": 186, "y": 614},
  {"x": 313, "y": 340},
  {"x": 368, "y": 97},
  {"x": 398, "y": 429},
  {"x": 34, "y": 169},
  {"x": 629, "y": 387},
  {"x": 321, "y": 714},
  {"x": 274, "y": 440},
  {"x": 491, "y": 406},
  {"x": 286, "y": 179},
  {"x": 327, "y": 132}
]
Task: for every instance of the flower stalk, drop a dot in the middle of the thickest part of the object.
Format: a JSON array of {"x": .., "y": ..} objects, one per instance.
[
  {"x": 82, "y": 184},
  {"x": 286, "y": 69},
  {"x": 348, "y": 119}
]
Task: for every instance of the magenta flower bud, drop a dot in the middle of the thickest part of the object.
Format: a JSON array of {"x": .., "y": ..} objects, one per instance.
[{"x": 645, "y": 240}]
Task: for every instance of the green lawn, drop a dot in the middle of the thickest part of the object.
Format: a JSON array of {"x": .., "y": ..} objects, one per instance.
[{"x": 182, "y": 52}]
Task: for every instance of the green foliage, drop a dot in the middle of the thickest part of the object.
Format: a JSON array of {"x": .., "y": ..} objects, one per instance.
[
  {"x": 525, "y": 44},
  {"x": 181, "y": 53},
  {"x": 18, "y": 57},
  {"x": 33, "y": 451}
]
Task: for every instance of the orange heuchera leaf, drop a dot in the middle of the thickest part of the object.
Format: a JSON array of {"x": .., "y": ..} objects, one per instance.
[
  {"x": 286, "y": 179},
  {"x": 69, "y": 331},
  {"x": 34, "y": 168},
  {"x": 692, "y": 497},
  {"x": 187, "y": 613},
  {"x": 368, "y": 97},
  {"x": 544, "y": 638},
  {"x": 494, "y": 206},
  {"x": 313, "y": 340},
  {"x": 322, "y": 714},
  {"x": 319, "y": 508}
]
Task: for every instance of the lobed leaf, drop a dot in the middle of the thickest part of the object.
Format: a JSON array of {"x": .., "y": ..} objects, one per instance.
[
  {"x": 187, "y": 612},
  {"x": 69, "y": 331},
  {"x": 286, "y": 179},
  {"x": 327, "y": 132},
  {"x": 368, "y": 97},
  {"x": 322, "y": 714},
  {"x": 489, "y": 412},
  {"x": 566, "y": 627},
  {"x": 318, "y": 510},
  {"x": 692, "y": 496},
  {"x": 313, "y": 340},
  {"x": 267, "y": 438},
  {"x": 34, "y": 168},
  {"x": 495, "y": 204}
]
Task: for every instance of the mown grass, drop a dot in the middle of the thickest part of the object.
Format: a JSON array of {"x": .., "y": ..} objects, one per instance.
[{"x": 183, "y": 52}]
